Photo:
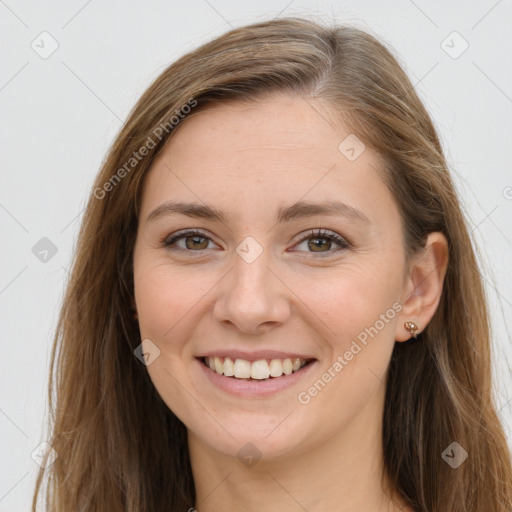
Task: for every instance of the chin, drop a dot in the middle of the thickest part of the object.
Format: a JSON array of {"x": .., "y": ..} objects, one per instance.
[{"x": 256, "y": 439}]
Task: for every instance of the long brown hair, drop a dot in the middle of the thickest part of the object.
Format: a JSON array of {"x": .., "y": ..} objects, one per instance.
[{"x": 119, "y": 446}]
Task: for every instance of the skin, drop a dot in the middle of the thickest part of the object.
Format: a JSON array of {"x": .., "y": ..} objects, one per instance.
[{"x": 248, "y": 159}]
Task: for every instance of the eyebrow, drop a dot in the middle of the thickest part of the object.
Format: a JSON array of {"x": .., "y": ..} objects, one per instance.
[{"x": 299, "y": 210}]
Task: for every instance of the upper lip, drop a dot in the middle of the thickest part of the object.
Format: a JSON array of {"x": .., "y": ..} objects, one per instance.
[{"x": 254, "y": 356}]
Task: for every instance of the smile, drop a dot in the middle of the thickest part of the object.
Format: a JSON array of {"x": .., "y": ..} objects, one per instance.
[
  {"x": 257, "y": 379},
  {"x": 262, "y": 369}
]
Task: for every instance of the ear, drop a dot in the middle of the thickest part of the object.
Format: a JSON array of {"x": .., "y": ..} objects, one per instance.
[{"x": 423, "y": 286}]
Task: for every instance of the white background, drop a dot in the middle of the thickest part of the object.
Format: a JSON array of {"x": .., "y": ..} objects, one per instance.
[{"x": 60, "y": 114}]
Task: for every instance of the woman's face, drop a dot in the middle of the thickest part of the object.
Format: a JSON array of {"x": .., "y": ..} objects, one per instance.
[{"x": 258, "y": 284}]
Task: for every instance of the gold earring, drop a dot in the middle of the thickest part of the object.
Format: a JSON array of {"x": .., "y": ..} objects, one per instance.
[{"x": 411, "y": 327}]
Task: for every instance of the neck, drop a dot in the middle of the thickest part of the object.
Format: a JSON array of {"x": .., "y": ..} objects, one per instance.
[{"x": 342, "y": 473}]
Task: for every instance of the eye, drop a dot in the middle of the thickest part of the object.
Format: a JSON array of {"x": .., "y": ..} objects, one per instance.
[
  {"x": 318, "y": 240},
  {"x": 198, "y": 241},
  {"x": 193, "y": 240}
]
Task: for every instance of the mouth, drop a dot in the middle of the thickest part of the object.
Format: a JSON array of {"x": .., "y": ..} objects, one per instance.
[{"x": 262, "y": 370}]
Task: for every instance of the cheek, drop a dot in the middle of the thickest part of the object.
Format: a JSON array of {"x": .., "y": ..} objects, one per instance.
[
  {"x": 157, "y": 305},
  {"x": 355, "y": 297},
  {"x": 359, "y": 305},
  {"x": 167, "y": 299}
]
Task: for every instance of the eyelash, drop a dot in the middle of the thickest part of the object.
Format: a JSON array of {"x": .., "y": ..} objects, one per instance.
[{"x": 316, "y": 233}]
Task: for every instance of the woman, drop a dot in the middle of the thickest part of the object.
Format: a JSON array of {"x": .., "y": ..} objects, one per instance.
[{"x": 209, "y": 358}]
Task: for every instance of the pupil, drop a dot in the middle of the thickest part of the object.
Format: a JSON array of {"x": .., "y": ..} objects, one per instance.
[
  {"x": 195, "y": 242},
  {"x": 315, "y": 245}
]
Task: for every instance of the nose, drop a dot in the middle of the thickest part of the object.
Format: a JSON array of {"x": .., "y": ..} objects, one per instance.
[{"x": 252, "y": 298}]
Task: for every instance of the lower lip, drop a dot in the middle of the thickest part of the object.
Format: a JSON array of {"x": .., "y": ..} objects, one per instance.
[{"x": 251, "y": 388}]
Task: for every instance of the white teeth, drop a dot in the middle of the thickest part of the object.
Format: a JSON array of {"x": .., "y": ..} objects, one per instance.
[
  {"x": 276, "y": 368},
  {"x": 229, "y": 367},
  {"x": 287, "y": 366},
  {"x": 260, "y": 370},
  {"x": 242, "y": 369}
]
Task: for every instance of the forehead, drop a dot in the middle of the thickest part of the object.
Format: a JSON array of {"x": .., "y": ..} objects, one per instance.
[
  {"x": 276, "y": 150},
  {"x": 280, "y": 126}
]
